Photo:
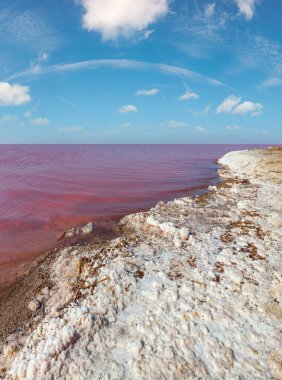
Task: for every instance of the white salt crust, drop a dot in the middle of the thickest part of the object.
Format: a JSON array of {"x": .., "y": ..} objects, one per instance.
[{"x": 194, "y": 292}]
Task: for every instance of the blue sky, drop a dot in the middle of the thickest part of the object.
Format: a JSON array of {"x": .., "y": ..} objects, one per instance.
[{"x": 142, "y": 71}]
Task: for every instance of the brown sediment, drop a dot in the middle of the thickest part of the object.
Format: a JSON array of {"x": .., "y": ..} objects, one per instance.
[{"x": 13, "y": 302}]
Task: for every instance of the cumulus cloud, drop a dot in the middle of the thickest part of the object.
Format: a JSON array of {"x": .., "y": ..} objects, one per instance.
[
  {"x": 152, "y": 92},
  {"x": 245, "y": 107},
  {"x": 13, "y": 94},
  {"x": 246, "y": 8},
  {"x": 233, "y": 104},
  {"x": 121, "y": 18},
  {"x": 176, "y": 124},
  {"x": 39, "y": 121},
  {"x": 228, "y": 104},
  {"x": 128, "y": 108},
  {"x": 209, "y": 10},
  {"x": 189, "y": 95},
  {"x": 74, "y": 129}
]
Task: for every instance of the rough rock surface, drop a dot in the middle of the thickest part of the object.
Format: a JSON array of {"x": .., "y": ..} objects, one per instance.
[
  {"x": 84, "y": 230},
  {"x": 191, "y": 290}
]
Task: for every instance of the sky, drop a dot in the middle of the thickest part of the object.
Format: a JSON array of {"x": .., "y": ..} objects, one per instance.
[{"x": 142, "y": 71}]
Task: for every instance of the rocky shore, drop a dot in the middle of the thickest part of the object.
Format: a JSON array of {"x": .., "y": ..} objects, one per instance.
[{"x": 192, "y": 289}]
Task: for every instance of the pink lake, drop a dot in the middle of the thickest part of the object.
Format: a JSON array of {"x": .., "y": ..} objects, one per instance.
[{"x": 46, "y": 189}]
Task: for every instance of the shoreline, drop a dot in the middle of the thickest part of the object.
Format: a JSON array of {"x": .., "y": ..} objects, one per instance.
[
  {"x": 104, "y": 231},
  {"x": 106, "y": 228},
  {"x": 33, "y": 279},
  {"x": 189, "y": 247}
]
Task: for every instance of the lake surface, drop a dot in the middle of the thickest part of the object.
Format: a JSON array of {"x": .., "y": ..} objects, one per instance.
[{"x": 46, "y": 189}]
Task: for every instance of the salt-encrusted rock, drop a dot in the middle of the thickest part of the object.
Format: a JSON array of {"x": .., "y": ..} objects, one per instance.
[
  {"x": 177, "y": 241},
  {"x": 70, "y": 233},
  {"x": 45, "y": 291},
  {"x": 152, "y": 221},
  {"x": 184, "y": 233},
  {"x": 84, "y": 230},
  {"x": 168, "y": 228},
  {"x": 34, "y": 305},
  {"x": 88, "y": 228},
  {"x": 276, "y": 220},
  {"x": 256, "y": 163}
]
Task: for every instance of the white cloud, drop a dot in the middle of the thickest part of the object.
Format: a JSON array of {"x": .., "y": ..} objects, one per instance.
[
  {"x": 36, "y": 65},
  {"x": 28, "y": 114},
  {"x": 246, "y": 8},
  {"x": 148, "y": 33},
  {"x": 121, "y": 18},
  {"x": 203, "y": 111},
  {"x": 126, "y": 64},
  {"x": 26, "y": 27},
  {"x": 39, "y": 121},
  {"x": 245, "y": 107},
  {"x": 233, "y": 104},
  {"x": 152, "y": 92},
  {"x": 271, "y": 82},
  {"x": 74, "y": 129},
  {"x": 200, "y": 129},
  {"x": 203, "y": 36},
  {"x": 176, "y": 124},
  {"x": 13, "y": 94},
  {"x": 128, "y": 108},
  {"x": 43, "y": 57},
  {"x": 209, "y": 10},
  {"x": 228, "y": 104},
  {"x": 189, "y": 95},
  {"x": 233, "y": 128}
]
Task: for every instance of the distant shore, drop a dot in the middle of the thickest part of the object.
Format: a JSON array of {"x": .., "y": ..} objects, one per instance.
[{"x": 190, "y": 289}]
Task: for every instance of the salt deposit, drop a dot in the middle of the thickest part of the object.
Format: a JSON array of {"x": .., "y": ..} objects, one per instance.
[
  {"x": 84, "y": 230},
  {"x": 191, "y": 290}
]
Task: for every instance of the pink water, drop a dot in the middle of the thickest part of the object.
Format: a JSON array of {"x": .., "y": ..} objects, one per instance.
[{"x": 46, "y": 189}]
